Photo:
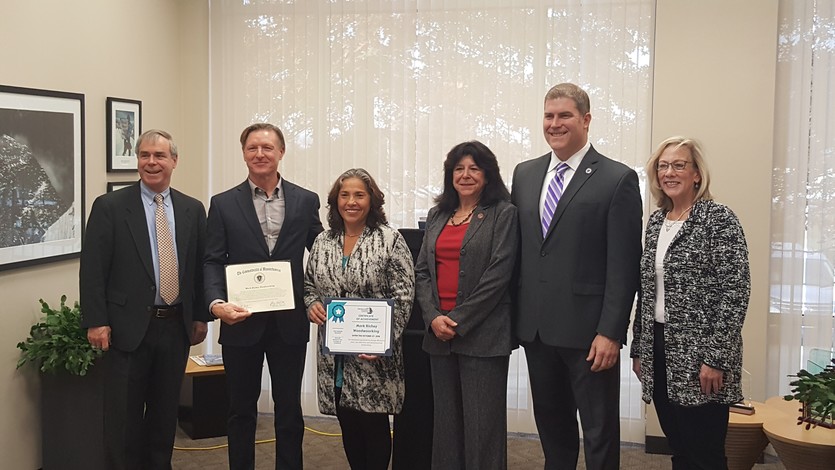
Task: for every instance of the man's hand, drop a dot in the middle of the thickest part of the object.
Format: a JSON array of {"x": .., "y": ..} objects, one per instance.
[
  {"x": 710, "y": 379},
  {"x": 99, "y": 337},
  {"x": 198, "y": 332},
  {"x": 230, "y": 313},
  {"x": 443, "y": 327},
  {"x": 316, "y": 313},
  {"x": 604, "y": 353}
]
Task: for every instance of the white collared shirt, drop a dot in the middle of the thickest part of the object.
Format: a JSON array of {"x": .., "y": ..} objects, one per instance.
[{"x": 573, "y": 163}]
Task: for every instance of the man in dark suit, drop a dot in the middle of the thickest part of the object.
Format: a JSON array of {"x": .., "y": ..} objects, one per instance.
[
  {"x": 265, "y": 218},
  {"x": 580, "y": 248},
  {"x": 143, "y": 303}
]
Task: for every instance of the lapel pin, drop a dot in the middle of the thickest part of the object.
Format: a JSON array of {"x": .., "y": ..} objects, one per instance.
[
  {"x": 588, "y": 171},
  {"x": 480, "y": 215}
]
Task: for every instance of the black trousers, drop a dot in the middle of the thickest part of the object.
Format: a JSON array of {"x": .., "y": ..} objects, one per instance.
[
  {"x": 142, "y": 396},
  {"x": 243, "y": 366},
  {"x": 695, "y": 433},
  {"x": 366, "y": 437},
  {"x": 562, "y": 384}
]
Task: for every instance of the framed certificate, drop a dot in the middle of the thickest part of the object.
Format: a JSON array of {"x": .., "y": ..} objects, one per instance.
[
  {"x": 260, "y": 287},
  {"x": 358, "y": 326}
]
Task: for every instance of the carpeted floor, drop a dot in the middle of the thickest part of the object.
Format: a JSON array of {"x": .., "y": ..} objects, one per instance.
[{"x": 323, "y": 451}]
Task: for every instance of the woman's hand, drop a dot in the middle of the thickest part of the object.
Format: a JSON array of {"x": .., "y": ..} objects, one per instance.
[
  {"x": 316, "y": 313},
  {"x": 710, "y": 379},
  {"x": 368, "y": 357},
  {"x": 443, "y": 327},
  {"x": 636, "y": 367}
]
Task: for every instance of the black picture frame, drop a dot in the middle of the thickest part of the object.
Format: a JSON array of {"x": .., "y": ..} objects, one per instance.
[
  {"x": 117, "y": 185},
  {"x": 124, "y": 126},
  {"x": 41, "y": 176}
]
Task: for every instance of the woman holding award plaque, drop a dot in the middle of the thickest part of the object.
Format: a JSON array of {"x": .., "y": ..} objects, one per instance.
[
  {"x": 463, "y": 276},
  {"x": 355, "y": 270},
  {"x": 695, "y": 284}
]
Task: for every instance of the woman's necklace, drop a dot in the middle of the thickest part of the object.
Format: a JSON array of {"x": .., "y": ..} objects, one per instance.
[
  {"x": 452, "y": 217},
  {"x": 353, "y": 236},
  {"x": 668, "y": 224}
]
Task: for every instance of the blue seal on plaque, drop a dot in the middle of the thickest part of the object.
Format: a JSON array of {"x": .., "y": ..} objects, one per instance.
[{"x": 336, "y": 312}]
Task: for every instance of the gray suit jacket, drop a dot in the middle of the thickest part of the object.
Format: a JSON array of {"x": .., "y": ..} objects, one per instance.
[
  {"x": 483, "y": 308},
  {"x": 581, "y": 278}
]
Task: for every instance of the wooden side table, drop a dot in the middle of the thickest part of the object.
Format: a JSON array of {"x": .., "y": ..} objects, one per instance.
[
  {"x": 746, "y": 440},
  {"x": 798, "y": 447},
  {"x": 204, "y": 403}
]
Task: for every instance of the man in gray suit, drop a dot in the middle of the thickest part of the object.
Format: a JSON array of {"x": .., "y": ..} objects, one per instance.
[{"x": 580, "y": 246}]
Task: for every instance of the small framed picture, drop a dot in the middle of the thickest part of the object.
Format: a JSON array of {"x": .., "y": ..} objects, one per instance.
[
  {"x": 117, "y": 185},
  {"x": 124, "y": 125}
]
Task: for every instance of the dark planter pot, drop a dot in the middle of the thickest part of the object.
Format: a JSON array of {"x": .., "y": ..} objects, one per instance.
[{"x": 72, "y": 420}]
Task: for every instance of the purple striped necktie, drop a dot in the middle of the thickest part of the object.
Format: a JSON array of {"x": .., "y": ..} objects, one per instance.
[{"x": 552, "y": 196}]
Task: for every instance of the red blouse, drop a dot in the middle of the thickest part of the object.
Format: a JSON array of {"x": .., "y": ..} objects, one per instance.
[{"x": 447, "y": 251}]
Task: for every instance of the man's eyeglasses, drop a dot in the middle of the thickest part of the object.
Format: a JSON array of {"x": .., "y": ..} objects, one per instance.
[{"x": 677, "y": 166}]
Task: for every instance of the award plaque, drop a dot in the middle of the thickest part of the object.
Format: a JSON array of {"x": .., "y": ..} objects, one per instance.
[{"x": 358, "y": 326}]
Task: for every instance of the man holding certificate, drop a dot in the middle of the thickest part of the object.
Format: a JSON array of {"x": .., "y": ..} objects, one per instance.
[
  {"x": 257, "y": 234},
  {"x": 359, "y": 288}
]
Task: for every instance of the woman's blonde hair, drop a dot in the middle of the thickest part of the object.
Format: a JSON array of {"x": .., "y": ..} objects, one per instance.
[{"x": 699, "y": 164}]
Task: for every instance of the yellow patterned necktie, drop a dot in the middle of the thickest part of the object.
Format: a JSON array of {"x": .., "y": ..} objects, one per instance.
[{"x": 169, "y": 284}]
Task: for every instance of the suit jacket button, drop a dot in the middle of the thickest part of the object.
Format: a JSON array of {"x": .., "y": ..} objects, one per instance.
[
  {"x": 463, "y": 251},
  {"x": 461, "y": 273}
]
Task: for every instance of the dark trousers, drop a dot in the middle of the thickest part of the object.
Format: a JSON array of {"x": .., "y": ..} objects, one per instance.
[
  {"x": 243, "y": 366},
  {"x": 562, "y": 384},
  {"x": 696, "y": 434},
  {"x": 470, "y": 424},
  {"x": 366, "y": 437},
  {"x": 142, "y": 396}
]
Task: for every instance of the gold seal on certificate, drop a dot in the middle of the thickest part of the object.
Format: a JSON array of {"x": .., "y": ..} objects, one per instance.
[
  {"x": 358, "y": 326},
  {"x": 260, "y": 287}
]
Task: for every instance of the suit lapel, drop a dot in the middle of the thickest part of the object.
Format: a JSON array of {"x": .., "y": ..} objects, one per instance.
[
  {"x": 182, "y": 227},
  {"x": 291, "y": 200},
  {"x": 475, "y": 223},
  {"x": 138, "y": 227},
  {"x": 247, "y": 208}
]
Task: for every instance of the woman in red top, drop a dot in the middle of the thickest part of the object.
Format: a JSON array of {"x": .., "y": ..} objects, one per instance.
[{"x": 463, "y": 277}]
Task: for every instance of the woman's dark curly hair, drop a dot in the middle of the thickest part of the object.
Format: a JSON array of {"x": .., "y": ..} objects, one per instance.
[
  {"x": 376, "y": 214},
  {"x": 494, "y": 187}
]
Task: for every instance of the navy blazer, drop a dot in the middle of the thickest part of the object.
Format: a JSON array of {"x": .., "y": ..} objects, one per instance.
[
  {"x": 235, "y": 236},
  {"x": 116, "y": 279},
  {"x": 483, "y": 307},
  {"x": 579, "y": 280}
]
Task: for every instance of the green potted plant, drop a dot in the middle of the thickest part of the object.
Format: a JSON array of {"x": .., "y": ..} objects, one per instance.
[
  {"x": 816, "y": 392},
  {"x": 72, "y": 388},
  {"x": 58, "y": 342}
]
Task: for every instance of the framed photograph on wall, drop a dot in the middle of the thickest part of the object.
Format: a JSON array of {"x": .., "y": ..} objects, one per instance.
[
  {"x": 124, "y": 125},
  {"x": 117, "y": 185},
  {"x": 41, "y": 176}
]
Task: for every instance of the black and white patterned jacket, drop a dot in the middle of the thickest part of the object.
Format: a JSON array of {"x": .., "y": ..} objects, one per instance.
[
  {"x": 707, "y": 284},
  {"x": 380, "y": 267}
]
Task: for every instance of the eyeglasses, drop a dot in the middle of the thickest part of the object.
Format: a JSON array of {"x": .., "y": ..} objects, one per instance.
[{"x": 677, "y": 166}]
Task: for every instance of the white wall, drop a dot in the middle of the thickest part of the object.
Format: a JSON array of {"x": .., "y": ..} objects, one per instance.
[{"x": 153, "y": 51}]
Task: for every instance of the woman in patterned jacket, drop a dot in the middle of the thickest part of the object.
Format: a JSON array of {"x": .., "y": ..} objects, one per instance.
[
  {"x": 362, "y": 257},
  {"x": 695, "y": 285}
]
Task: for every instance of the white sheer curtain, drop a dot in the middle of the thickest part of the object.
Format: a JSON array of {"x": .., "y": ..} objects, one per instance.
[
  {"x": 803, "y": 202},
  {"x": 391, "y": 86}
]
